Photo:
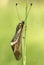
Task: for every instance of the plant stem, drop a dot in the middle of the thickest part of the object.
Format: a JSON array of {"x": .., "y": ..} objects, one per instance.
[{"x": 24, "y": 40}]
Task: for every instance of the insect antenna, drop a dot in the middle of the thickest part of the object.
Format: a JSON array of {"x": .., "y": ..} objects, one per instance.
[
  {"x": 28, "y": 11},
  {"x": 17, "y": 12}
]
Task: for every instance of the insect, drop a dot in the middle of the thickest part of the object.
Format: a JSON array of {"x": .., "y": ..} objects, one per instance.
[{"x": 16, "y": 42}]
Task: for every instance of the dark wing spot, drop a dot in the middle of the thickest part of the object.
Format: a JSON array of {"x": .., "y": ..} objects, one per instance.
[{"x": 17, "y": 55}]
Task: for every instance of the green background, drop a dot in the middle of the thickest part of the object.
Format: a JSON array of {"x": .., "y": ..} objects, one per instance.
[{"x": 34, "y": 36}]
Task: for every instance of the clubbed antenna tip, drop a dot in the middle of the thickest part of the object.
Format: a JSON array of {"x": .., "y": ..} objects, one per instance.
[
  {"x": 16, "y": 4},
  {"x": 31, "y": 4}
]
